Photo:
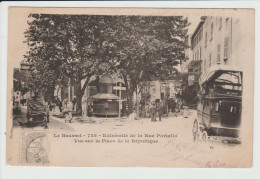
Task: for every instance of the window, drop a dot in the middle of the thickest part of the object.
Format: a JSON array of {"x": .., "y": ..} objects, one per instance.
[
  {"x": 211, "y": 32},
  {"x": 218, "y": 54},
  {"x": 205, "y": 66},
  {"x": 209, "y": 60},
  {"x": 220, "y": 22},
  {"x": 200, "y": 52},
  {"x": 200, "y": 35},
  {"x": 226, "y": 48},
  {"x": 227, "y": 18},
  {"x": 206, "y": 36}
]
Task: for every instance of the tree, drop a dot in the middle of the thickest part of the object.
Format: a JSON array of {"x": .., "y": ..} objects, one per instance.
[
  {"x": 148, "y": 47},
  {"x": 79, "y": 46},
  {"x": 20, "y": 81},
  {"x": 66, "y": 47}
]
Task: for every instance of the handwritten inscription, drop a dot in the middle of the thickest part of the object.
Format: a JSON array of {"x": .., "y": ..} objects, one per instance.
[{"x": 192, "y": 153}]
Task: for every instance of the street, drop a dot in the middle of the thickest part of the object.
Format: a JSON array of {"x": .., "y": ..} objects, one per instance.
[
  {"x": 168, "y": 140},
  {"x": 179, "y": 125}
]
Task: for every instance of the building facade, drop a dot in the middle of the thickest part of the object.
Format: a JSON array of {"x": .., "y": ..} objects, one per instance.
[
  {"x": 218, "y": 41},
  {"x": 191, "y": 69},
  {"x": 188, "y": 56}
]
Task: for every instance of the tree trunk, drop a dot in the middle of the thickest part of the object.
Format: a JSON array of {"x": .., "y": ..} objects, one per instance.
[
  {"x": 130, "y": 101},
  {"x": 137, "y": 104},
  {"x": 79, "y": 105},
  {"x": 79, "y": 95}
]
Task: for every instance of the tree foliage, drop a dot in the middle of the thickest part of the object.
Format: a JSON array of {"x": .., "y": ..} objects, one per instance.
[
  {"x": 65, "y": 46},
  {"x": 79, "y": 46},
  {"x": 20, "y": 81},
  {"x": 148, "y": 47}
]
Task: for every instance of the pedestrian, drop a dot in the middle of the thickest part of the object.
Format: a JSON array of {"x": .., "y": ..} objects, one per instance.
[
  {"x": 169, "y": 104},
  {"x": 50, "y": 106},
  {"x": 185, "y": 111},
  {"x": 153, "y": 112},
  {"x": 74, "y": 101},
  {"x": 60, "y": 105},
  {"x": 159, "y": 109},
  {"x": 57, "y": 103},
  {"x": 173, "y": 107},
  {"x": 65, "y": 102},
  {"x": 178, "y": 105}
]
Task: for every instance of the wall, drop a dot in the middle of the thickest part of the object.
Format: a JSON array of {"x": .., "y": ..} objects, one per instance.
[{"x": 224, "y": 46}]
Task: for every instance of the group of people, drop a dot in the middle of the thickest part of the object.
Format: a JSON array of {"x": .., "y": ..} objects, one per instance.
[
  {"x": 61, "y": 105},
  {"x": 157, "y": 107},
  {"x": 175, "y": 105}
]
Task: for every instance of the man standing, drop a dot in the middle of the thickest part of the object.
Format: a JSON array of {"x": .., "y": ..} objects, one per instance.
[
  {"x": 74, "y": 102},
  {"x": 159, "y": 109},
  {"x": 65, "y": 102},
  {"x": 60, "y": 104},
  {"x": 173, "y": 109},
  {"x": 153, "y": 112}
]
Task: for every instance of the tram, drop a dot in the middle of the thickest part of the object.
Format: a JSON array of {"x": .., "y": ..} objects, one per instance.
[{"x": 220, "y": 106}]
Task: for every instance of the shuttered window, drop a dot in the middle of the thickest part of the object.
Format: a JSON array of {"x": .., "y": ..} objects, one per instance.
[
  {"x": 206, "y": 39},
  {"x": 220, "y": 22},
  {"x": 218, "y": 54},
  {"x": 226, "y": 47},
  {"x": 211, "y": 32},
  {"x": 210, "y": 60}
]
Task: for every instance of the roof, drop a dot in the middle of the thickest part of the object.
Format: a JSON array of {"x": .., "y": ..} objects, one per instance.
[
  {"x": 212, "y": 71},
  {"x": 105, "y": 96},
  {"x": 93, "y": 83},
  {"x": 106, "y": 78},
  {"x": 223, "y": 97},
  {"x": 198, "y": 28}
]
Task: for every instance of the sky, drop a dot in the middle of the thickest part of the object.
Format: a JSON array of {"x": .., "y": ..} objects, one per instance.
[
  {"x": 16, "y": 29},
  {"x": 194, "y": 20}
]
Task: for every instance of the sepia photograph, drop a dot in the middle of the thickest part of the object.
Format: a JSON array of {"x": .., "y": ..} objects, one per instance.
[{"x": 126, "y": 87}]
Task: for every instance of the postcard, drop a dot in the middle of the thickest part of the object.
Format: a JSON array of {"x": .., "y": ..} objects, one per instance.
[{"x": 130, "y": 87}]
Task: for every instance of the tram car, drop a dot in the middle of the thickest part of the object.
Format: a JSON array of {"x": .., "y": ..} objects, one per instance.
[{"x": 219, "y": 106}]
